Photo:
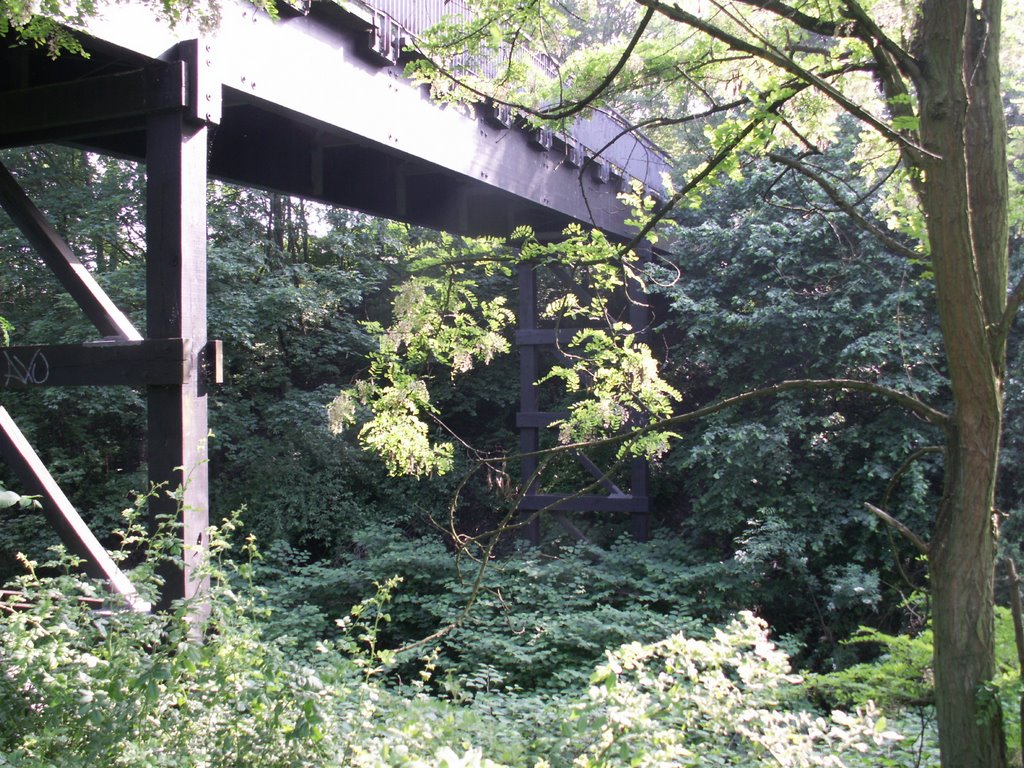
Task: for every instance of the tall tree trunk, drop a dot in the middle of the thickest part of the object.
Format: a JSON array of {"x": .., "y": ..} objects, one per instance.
[{"x": 962, "y": 128}]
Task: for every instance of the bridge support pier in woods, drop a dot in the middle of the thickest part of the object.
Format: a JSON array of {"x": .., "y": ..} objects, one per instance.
[
  {"x": 531, "y": 338},
  {"x": 175, "y": 362},
  {"x": 176, "y": 150},
  {"x": 372, "y": 141}
]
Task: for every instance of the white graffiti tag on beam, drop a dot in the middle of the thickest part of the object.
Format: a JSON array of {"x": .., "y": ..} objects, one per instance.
[{"x": 35, "y": 371}]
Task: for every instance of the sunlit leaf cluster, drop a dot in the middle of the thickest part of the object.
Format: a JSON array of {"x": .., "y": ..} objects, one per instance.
[{"x": 437, "y": 320}]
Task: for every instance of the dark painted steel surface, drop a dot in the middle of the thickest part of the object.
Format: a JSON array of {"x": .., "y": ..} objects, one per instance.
[{"x": 304, "y": 111}]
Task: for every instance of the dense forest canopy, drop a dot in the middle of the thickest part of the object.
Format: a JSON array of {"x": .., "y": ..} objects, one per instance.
[{"x": 807, "y": 237}]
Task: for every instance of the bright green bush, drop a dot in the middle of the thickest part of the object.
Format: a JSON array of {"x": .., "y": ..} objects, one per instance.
[
  {"x": 729, "y": 700},
  {"x": 540, "y": 619}
]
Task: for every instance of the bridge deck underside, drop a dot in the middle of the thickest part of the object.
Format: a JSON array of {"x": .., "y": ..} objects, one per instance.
[{"x": 298, "y": 108}]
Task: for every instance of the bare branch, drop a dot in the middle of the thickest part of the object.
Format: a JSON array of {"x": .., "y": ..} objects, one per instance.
[
  {"x": 909, "y": 535},
  {"x": 810, "y": 23},
  {"x": 874, "y": 36},
  {"x": 905, "y": 467},
  {"x": 845, "y": 205},
  {"x": 658, "y": 122}
]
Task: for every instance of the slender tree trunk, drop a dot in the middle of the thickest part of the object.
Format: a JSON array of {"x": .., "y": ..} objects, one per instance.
[
  {"x": 966, "y": 219},
  {"x": 962, "y": 567}
]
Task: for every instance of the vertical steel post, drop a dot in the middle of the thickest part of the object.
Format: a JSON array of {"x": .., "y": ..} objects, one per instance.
[
  {"x": 529, "y": 434},
  {"x": 176, "y": 153}
]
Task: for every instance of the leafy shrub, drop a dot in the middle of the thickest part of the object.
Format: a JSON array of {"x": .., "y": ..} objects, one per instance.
[
  {"x": 83, "y": 687},
  {"x": 539, "y": 620},
  {"x": 900, "y": 680},
  {"x": 728, "y": 700}
]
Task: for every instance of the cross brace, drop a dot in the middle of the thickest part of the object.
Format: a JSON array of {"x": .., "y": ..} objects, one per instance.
[
  {"x": 531, "y": 420},
  {"x": 70, "y": 271},
  {"x": 59, "y": 512}
]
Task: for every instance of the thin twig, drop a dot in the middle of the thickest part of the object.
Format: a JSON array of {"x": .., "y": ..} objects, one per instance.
[
  {"x": 844, "y": 205},
  {"x": 676, "y": 13}
]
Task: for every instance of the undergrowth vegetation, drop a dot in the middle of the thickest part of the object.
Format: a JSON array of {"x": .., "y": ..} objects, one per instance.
[{"x": 556, "y": 664}]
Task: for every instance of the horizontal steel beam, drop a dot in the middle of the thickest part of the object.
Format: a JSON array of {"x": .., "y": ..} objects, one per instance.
[
  {"x": 539, "y": 419},
  {"x": 307, "y": 77},
  {"x": 89, "y": 106},
  {"x": 540, "y": 337},
  {"x": 572, "y": 503},
  {"x": 132, "y": 363}
]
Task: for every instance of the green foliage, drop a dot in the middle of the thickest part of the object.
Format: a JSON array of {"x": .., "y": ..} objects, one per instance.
[
  {"x": 728, "y": 700},
  {"x": 52, "y": 24},
  {"x": 436, "y": 319},
  {"x": 760, "y": 291},
  {"x": 899, "y": 678},
  {"x": 623, "y": 388},
  {"x": 41, "y": 24},
  {"x": 442, "y": 317},
  {"x": 10, "y": 499},
  {"x": 116, "y": 687},
  {"x": 81, "y": 686},
  {"x": 538, "y": 621}
]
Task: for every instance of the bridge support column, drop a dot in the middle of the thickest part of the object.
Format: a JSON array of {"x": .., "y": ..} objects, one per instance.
[
  {"x": 529, "y": 436},
  {"x": 176, "y": 153},
  {"x": 531, "y": 419}
]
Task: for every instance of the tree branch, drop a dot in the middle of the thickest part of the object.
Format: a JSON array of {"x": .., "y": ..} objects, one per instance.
[
  {"x": 578, "y": 106},
  {"x": 803, "y": 20},
  {"x": 563, "y": 110},
  {"x": 911, "y": 403},
  {"x": 909, "y": 535},
  {"x": 844, "y": 205},
  {"x": 676, "y": 13},
  {"x": 905, "y": 467},
  {"x": 709, "y": 168},
  {"x": 873, "y": 35},
  {"x": 1013, "y": 305},
  {"x": 889, "y": 488}
]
